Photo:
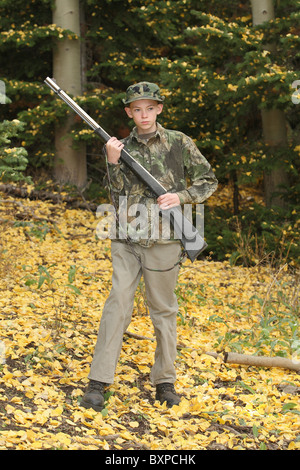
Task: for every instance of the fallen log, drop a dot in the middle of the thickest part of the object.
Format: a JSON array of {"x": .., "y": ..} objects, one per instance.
[
  {"x": 236, "y": 358},
  {"x": 262, "y": 361},
  {"x": 23, "y": 192},
  {"x": 43, "y": 195}
]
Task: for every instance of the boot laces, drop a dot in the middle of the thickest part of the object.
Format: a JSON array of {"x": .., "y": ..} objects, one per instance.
[
  {"x": 95, "y": 385},
  {"x": 164, "y": 387}
]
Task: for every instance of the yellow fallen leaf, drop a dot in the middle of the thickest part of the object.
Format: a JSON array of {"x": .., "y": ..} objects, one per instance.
[
  {"x": 21, "y": 417},
  {"x": 39, "y": 445},
  {"x": 294, "y": 446},
  {"x": 134, "y": 424},
  {"x": 126, "y": 435},
  {"x": 63, "y": 438},
  {"x": 16, "y": 400},
  {"x": 10, "y": 409},
  {"x": 57, "y": 411}
]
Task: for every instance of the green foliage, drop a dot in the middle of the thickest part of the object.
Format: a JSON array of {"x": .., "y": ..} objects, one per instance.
[
  {"x": 278, "y": 328},
  {"x": 256, "y": 235},
  {"x": 13, "y": 160}
]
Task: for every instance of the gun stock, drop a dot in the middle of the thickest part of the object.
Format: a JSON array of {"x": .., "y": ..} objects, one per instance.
[{"x": 188, "y": 235}]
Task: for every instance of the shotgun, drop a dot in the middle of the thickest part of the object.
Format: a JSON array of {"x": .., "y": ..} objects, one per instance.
[{"x": 188, "y": 235}]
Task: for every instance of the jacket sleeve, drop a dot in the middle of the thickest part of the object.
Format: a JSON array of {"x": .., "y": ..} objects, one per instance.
[
  {"x": 113, "y": 181},
  {"x": 202, "y": 181}
]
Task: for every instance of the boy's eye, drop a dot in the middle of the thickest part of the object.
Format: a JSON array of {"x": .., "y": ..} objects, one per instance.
[{"x": 137, "y": 110}]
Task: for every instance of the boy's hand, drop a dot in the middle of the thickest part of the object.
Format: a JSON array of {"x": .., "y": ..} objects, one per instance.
[
  {"x": 113, "y": 150},
  {"x": 168, "y": 200}
]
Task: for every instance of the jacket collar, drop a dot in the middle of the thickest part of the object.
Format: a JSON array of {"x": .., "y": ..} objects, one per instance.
[{"x": 159, "y": 133}]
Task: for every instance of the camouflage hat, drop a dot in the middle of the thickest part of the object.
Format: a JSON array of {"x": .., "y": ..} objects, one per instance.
[{"x": 143, "y": 91}]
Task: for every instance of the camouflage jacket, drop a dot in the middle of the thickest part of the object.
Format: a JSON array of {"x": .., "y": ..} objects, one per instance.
[{"x": 173, "y": 159}]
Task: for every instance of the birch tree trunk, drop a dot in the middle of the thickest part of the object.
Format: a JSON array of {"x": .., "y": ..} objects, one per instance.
[
  {"x": 70, "y": 162},
  {"x": 273, "y": 120}
]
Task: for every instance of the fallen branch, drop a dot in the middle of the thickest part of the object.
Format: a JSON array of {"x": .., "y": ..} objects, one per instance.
[
  {"x": 136, "y": 336},
  {"x": 27, "y": 212},
  {"x": 32, "y": 194},
  {"x": 262, "y": 361},
  {"x": 235, "y": 358}
]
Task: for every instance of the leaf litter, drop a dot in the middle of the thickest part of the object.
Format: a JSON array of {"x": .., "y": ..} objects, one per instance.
[{"x": 55, "y": 277}]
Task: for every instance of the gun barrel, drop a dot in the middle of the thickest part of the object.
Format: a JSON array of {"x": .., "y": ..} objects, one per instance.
[{"x": 93, "y": 124}]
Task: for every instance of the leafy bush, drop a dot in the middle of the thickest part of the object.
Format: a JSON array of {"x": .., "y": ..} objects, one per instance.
[
  {"x": 254, "y": 236},
  {"x": 13, "y": 160}
]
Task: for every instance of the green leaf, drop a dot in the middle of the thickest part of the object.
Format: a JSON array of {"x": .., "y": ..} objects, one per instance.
[
  {"x": 74, "y": 288},
  {"x": 246, "y": 387},
  {"x": 42, "y": 279},
  {"x": 255, "y": 430},
  {"x": 262, "y": 446},
  {"x": 288, "y": 407},
  {"x": 71, "y": 274}
]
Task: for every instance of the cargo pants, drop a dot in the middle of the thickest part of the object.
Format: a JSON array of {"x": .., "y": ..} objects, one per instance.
[{"x": 117, "y": 311}]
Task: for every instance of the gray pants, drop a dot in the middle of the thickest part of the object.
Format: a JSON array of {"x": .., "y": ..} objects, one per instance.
[{"x": 117, "y": 312}]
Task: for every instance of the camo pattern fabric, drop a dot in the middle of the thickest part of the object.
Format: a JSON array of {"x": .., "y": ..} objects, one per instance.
[
  {"x": 172, "y": 158},
  {"x": 143, "y": 90}
]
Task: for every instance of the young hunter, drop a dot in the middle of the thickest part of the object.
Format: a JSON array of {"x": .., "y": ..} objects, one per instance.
[{"x": 171, "y": 157}]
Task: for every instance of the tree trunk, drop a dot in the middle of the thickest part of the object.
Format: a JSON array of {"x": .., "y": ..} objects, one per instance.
[
  {"x": 273, "y": 120},
  {"x": 70, "y": 162}
]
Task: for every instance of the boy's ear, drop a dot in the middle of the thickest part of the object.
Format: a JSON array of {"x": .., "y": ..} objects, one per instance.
[
  {"x": 159, "y": 108},
  {"x": 128, "y": 112}
]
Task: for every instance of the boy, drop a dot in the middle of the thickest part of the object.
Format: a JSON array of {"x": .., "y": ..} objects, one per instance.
[{"x": 170, "y": 157}]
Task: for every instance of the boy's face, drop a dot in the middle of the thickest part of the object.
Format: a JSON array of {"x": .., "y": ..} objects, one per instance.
[{"x": 144, "y": 114}]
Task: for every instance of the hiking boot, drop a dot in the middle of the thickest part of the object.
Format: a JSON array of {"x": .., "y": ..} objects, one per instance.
[
  {"x": 166, "y": 392},
  {"x": 94, "y": 396}
]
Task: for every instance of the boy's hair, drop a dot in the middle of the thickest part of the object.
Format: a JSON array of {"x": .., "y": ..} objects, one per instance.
[{"x": 143, "y": 91}]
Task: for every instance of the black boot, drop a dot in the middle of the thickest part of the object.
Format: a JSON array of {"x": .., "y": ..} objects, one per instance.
[
  {"x": 166, "y": 392},
  {"x": 94, "y": 396}
]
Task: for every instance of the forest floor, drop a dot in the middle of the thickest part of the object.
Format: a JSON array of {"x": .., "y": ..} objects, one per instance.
[{"x": 54, "y": 279}]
